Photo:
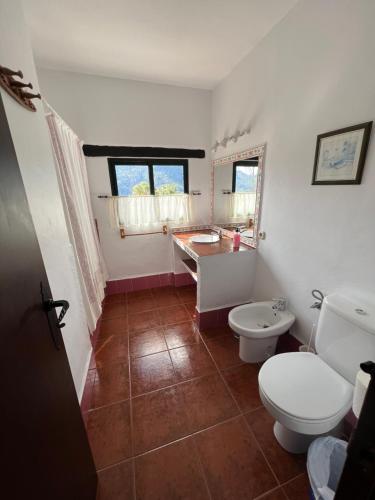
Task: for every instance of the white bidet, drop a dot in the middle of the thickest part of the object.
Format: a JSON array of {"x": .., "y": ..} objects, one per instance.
[{"x": 259, "y": 325}]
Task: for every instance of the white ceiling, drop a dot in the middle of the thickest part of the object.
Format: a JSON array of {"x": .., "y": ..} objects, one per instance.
[{"x": 194, "y": 43}]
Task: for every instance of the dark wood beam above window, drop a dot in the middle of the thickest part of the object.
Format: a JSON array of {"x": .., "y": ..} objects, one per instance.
[{"x": 141, "y": 152}]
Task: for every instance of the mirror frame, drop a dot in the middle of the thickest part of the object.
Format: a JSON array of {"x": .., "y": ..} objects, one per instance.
[{"x": 258, "y": 151}]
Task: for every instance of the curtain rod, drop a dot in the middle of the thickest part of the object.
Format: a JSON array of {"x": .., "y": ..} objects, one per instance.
[
  {"x": 109, "y": 196},
  {"x": 50, "y": 111}
]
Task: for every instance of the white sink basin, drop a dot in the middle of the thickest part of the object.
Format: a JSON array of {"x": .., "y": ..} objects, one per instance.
[{"x": 205, "y": 238}]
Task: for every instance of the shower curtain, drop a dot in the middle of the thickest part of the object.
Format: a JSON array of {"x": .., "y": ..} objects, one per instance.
[{"x": 72, "y": 175}]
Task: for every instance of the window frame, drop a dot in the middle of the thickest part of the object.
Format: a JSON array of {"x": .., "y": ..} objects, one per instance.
[
  {"x": 150, "y": 162},
  {"x": 251, "y": 162}
]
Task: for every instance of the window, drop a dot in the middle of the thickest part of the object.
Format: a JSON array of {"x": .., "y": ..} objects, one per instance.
[
  {"x": 148, "y": 193},
  {"x": 139, "y": 177},
  {"x": 245, "y": 174}
]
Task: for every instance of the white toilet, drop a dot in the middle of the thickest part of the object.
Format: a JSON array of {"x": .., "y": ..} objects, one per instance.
[{"x": 310, "y": 394}]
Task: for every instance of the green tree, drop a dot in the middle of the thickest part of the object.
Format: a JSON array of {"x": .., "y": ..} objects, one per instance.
[
  {"x": 167, "y": 189},
  {"x": 141, "y": 188}
]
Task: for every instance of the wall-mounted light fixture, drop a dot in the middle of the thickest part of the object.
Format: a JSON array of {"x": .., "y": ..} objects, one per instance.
[{"x": 232, "y": 138}]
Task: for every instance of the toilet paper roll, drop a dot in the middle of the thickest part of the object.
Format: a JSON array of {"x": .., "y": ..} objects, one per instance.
[{"x": 361, "y": 383}]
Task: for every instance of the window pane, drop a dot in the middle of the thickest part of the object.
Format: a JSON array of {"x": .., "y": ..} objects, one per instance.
[
  {"x": 132, "y": 180},
  {"x": 168, "y": 179},
  {"x": 246, "y": 179}
]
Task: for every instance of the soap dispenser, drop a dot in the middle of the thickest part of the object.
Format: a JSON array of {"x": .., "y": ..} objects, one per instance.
[{"x": 237, "y": 239}]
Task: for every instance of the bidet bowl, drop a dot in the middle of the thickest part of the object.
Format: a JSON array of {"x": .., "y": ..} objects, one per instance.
[{"x": 259, "y": 327}]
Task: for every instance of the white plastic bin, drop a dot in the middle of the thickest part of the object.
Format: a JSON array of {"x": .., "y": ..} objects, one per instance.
[{"x": 325, "y": 462}]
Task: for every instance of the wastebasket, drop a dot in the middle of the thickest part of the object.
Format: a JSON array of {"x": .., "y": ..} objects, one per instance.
[{"x": 325, "y": 462}]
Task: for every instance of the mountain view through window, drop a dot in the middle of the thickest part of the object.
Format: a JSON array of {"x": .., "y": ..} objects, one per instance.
[{"x": 134, "y": 180}]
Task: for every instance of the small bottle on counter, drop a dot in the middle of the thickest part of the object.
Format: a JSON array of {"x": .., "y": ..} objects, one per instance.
[{"x": 236, "y": 238}]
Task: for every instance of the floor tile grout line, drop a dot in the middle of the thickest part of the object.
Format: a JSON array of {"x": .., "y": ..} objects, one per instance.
[
  {"x": 174, "y": 441},
  {"x": 111, "y": 318},
  {"x": 219, "y": 372},
  {"x": 125, "y": 315},
  {"x": 272, "y": 490},
  {"x": 191, "y": 322},
  {"x": 133, "y": 466},
  {"x": 181, "y": 382},
  {"x": 120, "y": 401},
  {"x": 241, "y": 413},
  {"x": 131, "y": 408},
  {"x": 191, "y": 435},
  {"x": 164, "y": 388},
  {"x": 177, "y": 383},
  {"x": 200, "y": 464},
  {"x": 131, "y": 313},
  {"x": 135, "y": 333},
  {"x": 243, "y": 417},
  {"x": 110, "y": 466},
  {"x": 261, "y": 450},
  {"x": 293, "y": 478}
]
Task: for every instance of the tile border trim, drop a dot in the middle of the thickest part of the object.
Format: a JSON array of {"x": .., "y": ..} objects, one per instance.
[{"x": 145, "y": 282}]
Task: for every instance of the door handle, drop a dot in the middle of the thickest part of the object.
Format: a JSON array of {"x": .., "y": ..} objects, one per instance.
[{"x": 50, "y": 304}]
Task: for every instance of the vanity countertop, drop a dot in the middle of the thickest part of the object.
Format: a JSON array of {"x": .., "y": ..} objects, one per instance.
[{"x": 196, "y": 250}]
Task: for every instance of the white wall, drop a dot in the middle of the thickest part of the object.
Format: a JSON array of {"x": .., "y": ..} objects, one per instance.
[
  {"x": 110, "y": 111},
  {"x": 32, "y": 144},
  {"x": 313, "y": 73},
  {"x": 225, "y": 280}
]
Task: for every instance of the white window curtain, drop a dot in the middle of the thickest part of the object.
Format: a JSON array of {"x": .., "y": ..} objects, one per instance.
[
  {"x": 71, "y": 170},
  {"x": 242, "y": 205},
  {"x": 144, "y": 213}
]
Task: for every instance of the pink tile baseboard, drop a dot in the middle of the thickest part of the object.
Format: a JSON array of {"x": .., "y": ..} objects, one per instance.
[
  {"x": 287, "y": 343},
  {"x": 183, "y": 279},
  {"x": 145, "y": 282},
  {"x": 88, "y": 391},
  {"x": 212, "y": 319},
  {"x": 95, "y": 333}
]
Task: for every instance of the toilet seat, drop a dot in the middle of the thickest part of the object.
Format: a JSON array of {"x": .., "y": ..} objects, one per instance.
[{"x": 304, "y": 393}]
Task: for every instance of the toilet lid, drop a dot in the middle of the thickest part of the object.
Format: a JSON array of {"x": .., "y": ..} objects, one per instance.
[{"x": 304, "y": 386}]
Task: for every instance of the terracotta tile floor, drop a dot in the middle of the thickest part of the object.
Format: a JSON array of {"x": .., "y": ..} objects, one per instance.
[{"x": 173, "y": 413}]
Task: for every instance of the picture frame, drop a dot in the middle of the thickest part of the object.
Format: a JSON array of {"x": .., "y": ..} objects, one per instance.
[{"x": 340, "y": 155}]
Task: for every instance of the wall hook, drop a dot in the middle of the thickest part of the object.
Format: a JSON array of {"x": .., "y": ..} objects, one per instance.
[
  {"x": 20, "y": 85},
  {"x": 29, "y": 95},
  {"x": 15, "y": 88}
]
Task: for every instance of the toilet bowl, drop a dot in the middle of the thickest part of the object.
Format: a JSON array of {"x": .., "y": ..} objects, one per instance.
[
  {"x": 309, "y": 394},
  {"x": 259, "y": 326},
  {"x": 305, "y": 396}
]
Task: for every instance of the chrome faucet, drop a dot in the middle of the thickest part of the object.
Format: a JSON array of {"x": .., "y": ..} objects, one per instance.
[
  {"x": 280, "y": 304},
  {"x": 219, "y": 232}
]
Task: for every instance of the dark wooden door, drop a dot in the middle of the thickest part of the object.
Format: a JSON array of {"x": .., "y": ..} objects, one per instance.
[
  {"x": 358, "y": 477},
  {"x": 44, "y": 451}
]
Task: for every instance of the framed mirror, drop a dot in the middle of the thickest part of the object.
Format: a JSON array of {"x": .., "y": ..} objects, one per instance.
[{"x": 237, "y": 191}]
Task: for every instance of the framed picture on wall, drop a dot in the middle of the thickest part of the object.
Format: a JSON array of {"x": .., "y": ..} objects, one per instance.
[{"x": 340, "y": 155}]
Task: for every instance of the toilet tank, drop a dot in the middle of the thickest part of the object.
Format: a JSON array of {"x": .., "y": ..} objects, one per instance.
[{"x": 345, "y": 335}]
